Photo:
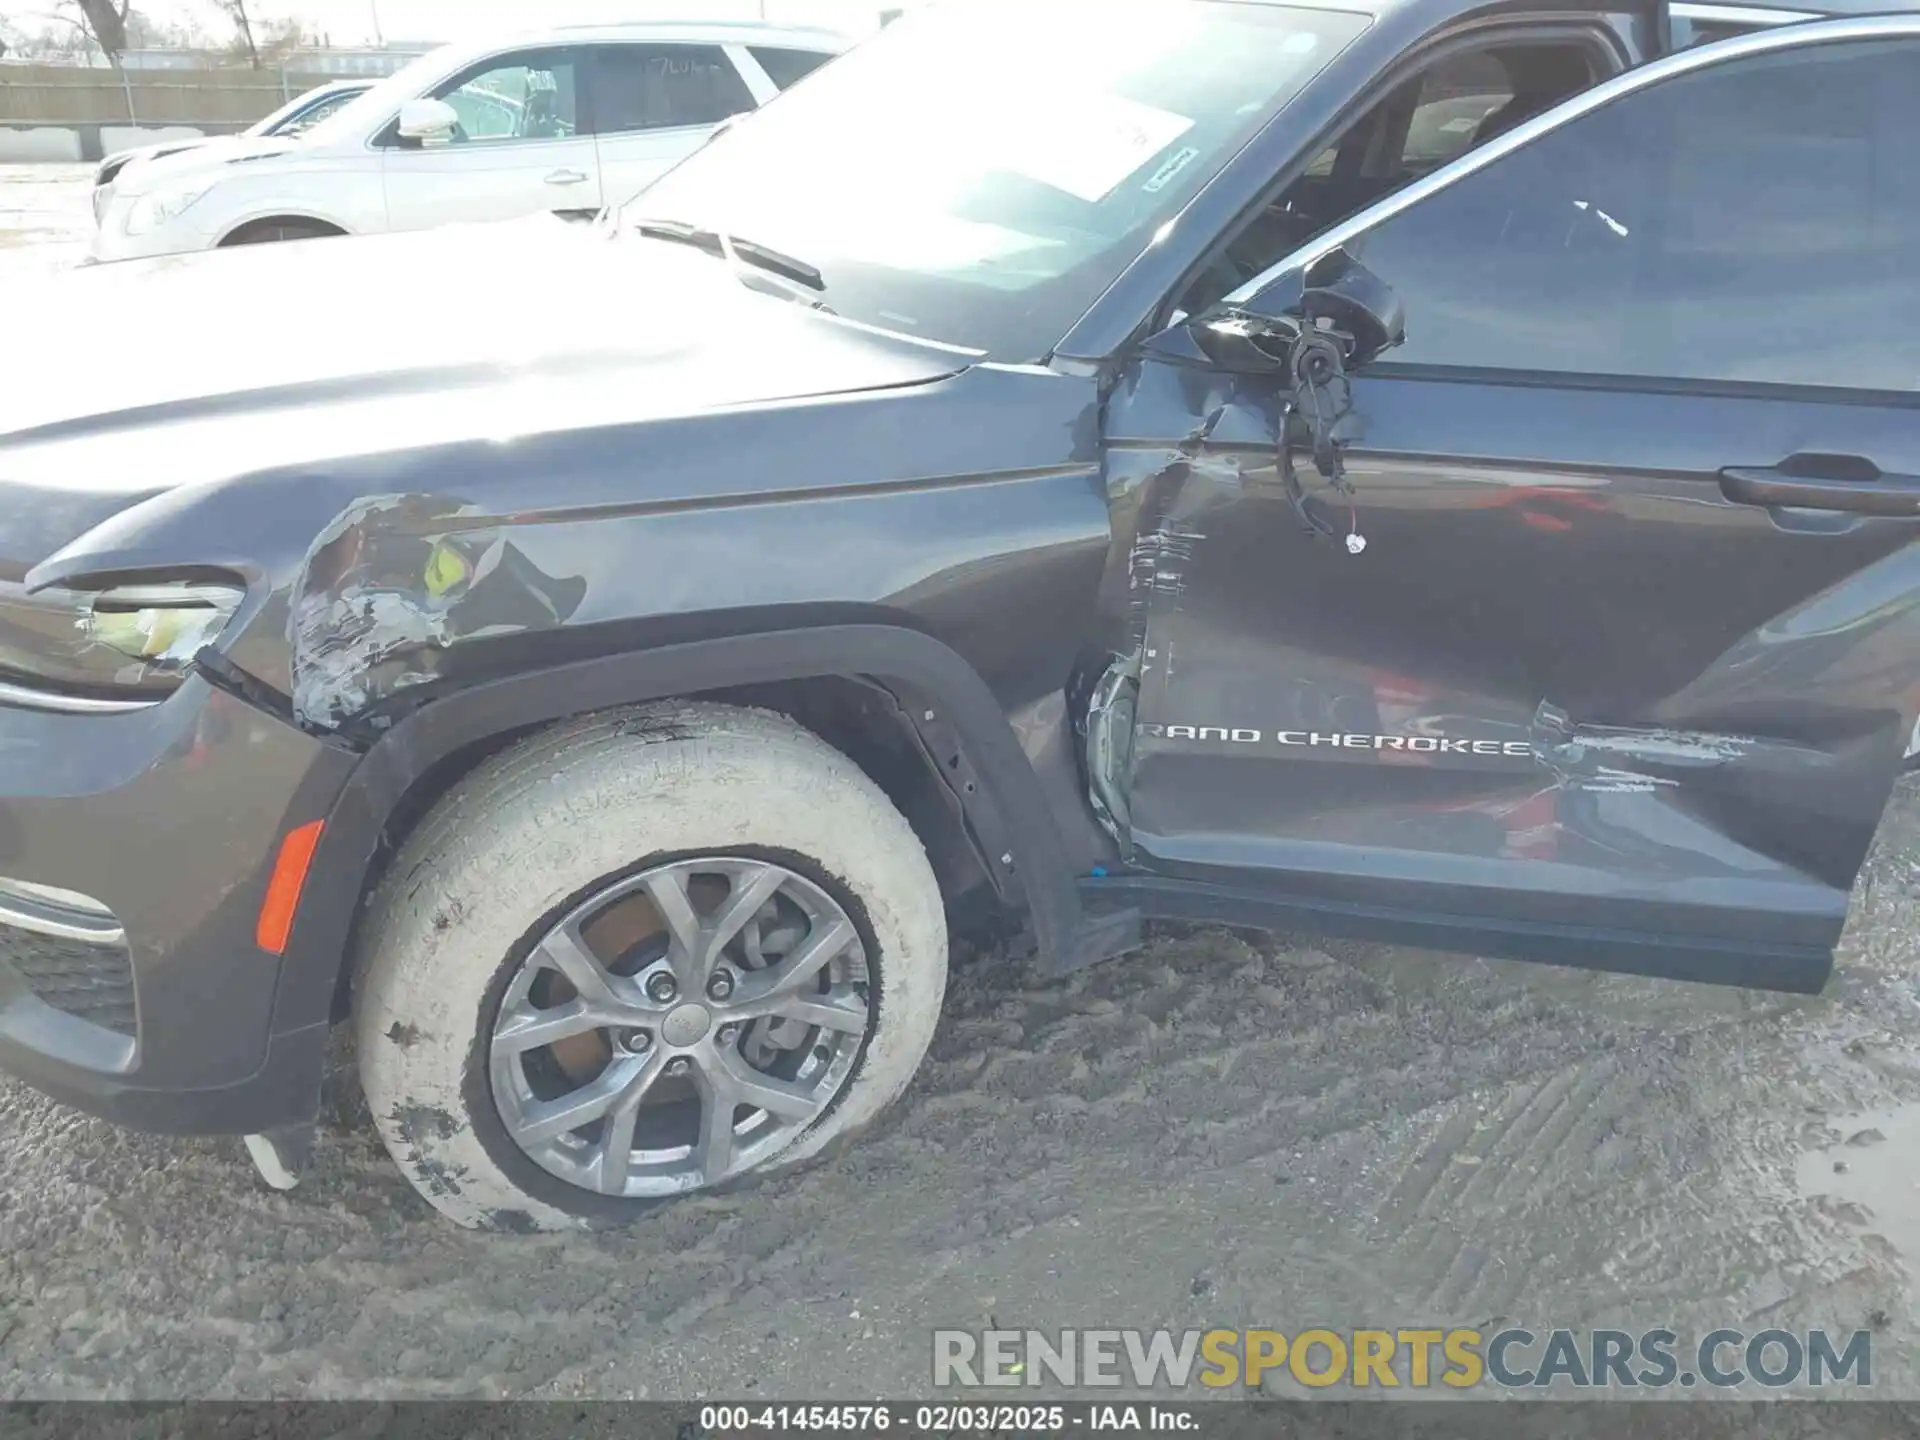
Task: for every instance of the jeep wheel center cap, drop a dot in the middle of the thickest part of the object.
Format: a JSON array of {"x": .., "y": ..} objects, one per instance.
[{"x": 687, "y": 1025}]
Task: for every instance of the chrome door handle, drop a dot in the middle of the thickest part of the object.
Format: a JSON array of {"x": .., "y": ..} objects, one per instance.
[{"x": 565, "y": 177}]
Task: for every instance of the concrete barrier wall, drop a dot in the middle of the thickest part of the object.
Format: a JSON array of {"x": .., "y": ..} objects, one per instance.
[
  {"x": 71, "y": 144},
  {"x": 22, "y": 145}
]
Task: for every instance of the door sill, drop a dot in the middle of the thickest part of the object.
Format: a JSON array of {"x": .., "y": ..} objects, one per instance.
[{"x": 1747, "y": 965}]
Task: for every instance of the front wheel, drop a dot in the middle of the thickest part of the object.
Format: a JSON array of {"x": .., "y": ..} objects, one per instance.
[{"x": 640, "y": 955}]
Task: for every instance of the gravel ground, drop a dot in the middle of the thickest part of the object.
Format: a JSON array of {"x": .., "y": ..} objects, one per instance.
[{"x": 1222, "y": 1130}]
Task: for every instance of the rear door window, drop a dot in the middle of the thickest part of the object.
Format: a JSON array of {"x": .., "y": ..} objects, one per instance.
[{"x": 665, "y": 87}]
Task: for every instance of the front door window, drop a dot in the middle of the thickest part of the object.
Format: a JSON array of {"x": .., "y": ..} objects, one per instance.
[
  {"x": 515, "y": 98},
  {"x": 1755, "y": 221}
]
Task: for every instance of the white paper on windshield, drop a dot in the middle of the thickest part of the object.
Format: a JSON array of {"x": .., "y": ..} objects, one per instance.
[{"x": 1090, "y": 144}]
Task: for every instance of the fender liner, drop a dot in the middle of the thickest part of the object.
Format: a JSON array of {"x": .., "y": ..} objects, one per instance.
[
  {"x": 349, "y": 845},
  {"x": 280, "y": 217}
]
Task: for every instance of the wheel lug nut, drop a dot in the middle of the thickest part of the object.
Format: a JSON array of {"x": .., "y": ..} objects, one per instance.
[
  {"x": 727, "y": 1032},
  {"x": 721, "y": 986},
  {"x": 678, "y": 1067},
  {"x": 660, "y": 987},
  {"x": 635, "y": 1042}
]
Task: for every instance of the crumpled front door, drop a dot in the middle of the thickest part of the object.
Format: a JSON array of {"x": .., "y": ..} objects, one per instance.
[{"x": 1562, "y": 699}]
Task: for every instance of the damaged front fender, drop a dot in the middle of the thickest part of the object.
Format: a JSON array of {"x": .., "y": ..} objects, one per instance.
[{"x": 391, "y": 586}]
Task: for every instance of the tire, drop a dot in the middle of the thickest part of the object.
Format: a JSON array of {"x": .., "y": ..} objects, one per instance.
[
  {"x": 262, "y": 232},
  {"x": 530, "y": 839}
]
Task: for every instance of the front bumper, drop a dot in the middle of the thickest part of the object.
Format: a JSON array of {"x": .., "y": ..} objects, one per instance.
[
  {"x": 135, "y": 849},
  {"x": 182, "y": 235}
]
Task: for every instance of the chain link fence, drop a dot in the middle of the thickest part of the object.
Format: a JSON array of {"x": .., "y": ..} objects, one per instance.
[{"x": 228, "y": 99}]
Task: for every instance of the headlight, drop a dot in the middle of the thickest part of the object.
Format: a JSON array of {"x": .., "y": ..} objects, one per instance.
[
  {"x": 160, "y": 626},
  {"x": 139, "y": 638},
  {"x": 150, "y": 212}
]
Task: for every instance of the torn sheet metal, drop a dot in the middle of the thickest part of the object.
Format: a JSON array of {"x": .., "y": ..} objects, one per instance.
[
  {"x": 390, "y": 586},
  {"x": 1109, "y": 731},
  {"x": 1164, "y": 499},
  {"x": 555, "y": 549}
]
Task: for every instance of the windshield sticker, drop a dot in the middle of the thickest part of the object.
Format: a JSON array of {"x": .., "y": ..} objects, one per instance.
[
  {"x": 1092, "y": 145},
  {"x": 1169, "y": 168}
]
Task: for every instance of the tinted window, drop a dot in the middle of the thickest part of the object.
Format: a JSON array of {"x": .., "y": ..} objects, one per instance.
[
  {"x": 1458, "y": 102},
  {"x": 783, "y": 67},
  {"x": 1456, "y": 98},
  {"x": 658, "y": 87},
  {"x": 528, "y": 96},
  {"x": 1755, "y": 221},
  {"x": 1689, "y": 31}
]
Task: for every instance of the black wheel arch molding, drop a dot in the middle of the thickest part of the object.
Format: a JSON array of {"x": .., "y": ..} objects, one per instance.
[{"x": 1000, "y": 799}]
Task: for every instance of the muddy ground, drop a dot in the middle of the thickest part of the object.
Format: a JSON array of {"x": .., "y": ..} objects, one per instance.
[{"x": 1224, "y": 1130}]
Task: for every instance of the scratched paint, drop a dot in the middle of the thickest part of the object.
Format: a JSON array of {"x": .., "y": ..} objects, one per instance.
[
  {"x": 391, "y": 586},
  {"x": 1163, "y": 501},
  {"x": 1611, "y": 757}
]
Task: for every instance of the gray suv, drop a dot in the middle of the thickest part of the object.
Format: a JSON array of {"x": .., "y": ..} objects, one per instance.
[{"x": 1434, "y": 470}]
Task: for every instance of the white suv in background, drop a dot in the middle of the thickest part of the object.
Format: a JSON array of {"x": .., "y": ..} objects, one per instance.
[{"x": 563, "y": 120}]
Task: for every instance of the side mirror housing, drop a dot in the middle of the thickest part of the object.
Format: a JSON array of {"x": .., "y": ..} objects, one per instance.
[
  {"x": 1336, "y": 297},
  {"x": 428, "y": 119}
]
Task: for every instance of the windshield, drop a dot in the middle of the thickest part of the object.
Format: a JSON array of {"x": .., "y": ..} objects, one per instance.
[
  {"x": 298, "y": 105},
  {"x": 981, "y": 170}
]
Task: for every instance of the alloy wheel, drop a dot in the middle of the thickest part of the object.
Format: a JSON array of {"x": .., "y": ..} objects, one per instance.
[{"x": 680, "y": 1026}]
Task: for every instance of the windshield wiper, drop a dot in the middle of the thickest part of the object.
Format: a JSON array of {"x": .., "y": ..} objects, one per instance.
[{"x": 717, "y": 243}]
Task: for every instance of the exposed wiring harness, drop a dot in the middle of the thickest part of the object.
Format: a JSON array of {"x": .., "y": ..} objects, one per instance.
[{"x": 1322, "y": 400}]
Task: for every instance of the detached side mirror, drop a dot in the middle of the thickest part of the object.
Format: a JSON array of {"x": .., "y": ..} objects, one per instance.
[
  {"x": 428, "y": 119},
  {"x": 1361, "y": 311},
  {"x": 1336, "y": 298}
]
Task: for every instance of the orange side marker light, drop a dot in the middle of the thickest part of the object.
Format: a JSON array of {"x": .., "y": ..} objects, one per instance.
[{"x": 283, "y": 889}]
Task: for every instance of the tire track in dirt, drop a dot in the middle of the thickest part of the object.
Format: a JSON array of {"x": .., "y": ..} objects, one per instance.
[{"x": 1221, "y": 1130}]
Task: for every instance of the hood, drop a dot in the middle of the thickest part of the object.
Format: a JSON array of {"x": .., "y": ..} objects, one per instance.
[
  {"x": 117, "y": 163},
  {"x": 231, "y": 362},
  {"x": 178, "y": 159}
]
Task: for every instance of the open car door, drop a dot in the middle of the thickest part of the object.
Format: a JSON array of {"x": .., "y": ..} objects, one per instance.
[{"x": 1611, "y": 654}]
